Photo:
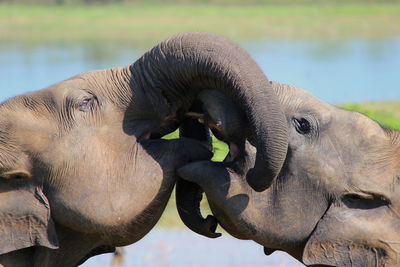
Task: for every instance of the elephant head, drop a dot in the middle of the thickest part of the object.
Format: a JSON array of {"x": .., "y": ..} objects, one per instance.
[
  {"x": 82, "y": 165},
  {"x": 336, "y": 200}
]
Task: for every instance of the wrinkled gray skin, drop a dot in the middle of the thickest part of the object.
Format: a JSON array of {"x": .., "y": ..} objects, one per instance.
[
  {"x": 82, "y": 168},
  {"x": 336, "y": 200}
]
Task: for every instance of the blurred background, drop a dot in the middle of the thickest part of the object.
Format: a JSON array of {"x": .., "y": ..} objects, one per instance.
[{"x": 346, "y": 52}]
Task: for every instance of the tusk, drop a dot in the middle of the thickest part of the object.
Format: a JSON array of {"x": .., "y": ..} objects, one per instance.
[
  {"x": 195, "y": 115},
  {"x": 216, "y": 126},
  {"x": 201, "y": 118}
]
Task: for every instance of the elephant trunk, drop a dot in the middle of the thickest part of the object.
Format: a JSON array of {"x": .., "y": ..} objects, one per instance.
[
  {"x": 188, "y": 198},
  {"x": 188, "y": 194},
  {"x": 170, "y": 76}
]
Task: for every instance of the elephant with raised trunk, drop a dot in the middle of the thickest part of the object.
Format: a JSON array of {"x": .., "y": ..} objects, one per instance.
[
  {"x": 336, "y": 200},
  {"x": 82, "y": 165}
]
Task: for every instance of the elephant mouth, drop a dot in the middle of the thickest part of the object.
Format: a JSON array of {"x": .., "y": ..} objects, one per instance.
[
  {"x": 174, "y": 121},
  {"x": 167, "y": 126},
  {"x": 217, "y": 129}
]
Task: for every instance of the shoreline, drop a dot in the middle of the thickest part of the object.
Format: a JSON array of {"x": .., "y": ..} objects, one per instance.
[{"x": 147, "y": 24}]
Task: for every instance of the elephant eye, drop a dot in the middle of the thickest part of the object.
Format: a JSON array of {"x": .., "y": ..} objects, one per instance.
[
  {"x": 365, "y": 201},
  {"x": 302, "y": 126},
  {"x": 16, "y": 175},
  {"x": 87, "y": 103}
]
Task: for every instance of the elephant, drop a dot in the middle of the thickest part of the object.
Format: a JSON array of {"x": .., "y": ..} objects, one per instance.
[
  {"x": 336, "y": 200},
  {"x": 83, "y": 168}
]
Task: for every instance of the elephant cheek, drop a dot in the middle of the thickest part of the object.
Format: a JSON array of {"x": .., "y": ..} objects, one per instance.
[{"x": 115, "y": 193}]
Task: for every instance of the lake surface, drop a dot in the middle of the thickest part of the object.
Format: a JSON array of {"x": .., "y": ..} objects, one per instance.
[
  {"x": 335, "y": 71},
  {"x": 181, "y": 248}
]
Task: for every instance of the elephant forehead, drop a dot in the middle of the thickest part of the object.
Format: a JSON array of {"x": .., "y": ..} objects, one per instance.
[
  {"x": 294, "y": 98},
  {"x": 24, "y": 125},
  {"x": 27, "y": 128},
  {"x": 39, "y": 102},
  {"x": 373, "y": 155},
  {"x": 100, "y": 82},
  {"x": 368, "y": 129}
]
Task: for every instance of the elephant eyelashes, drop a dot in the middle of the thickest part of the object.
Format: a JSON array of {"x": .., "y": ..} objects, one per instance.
[
  {"x": 87, "y": 103},
  {"x": 302, "y": 126}
]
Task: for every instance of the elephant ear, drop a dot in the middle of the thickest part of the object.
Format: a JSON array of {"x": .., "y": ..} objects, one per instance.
[
  {"x": 355, "y": 232},
  {"x": 24, "y": 218}
]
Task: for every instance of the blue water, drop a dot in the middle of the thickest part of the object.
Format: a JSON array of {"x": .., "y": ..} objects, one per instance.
[
  {"x": 335, "y": 71},
  {"x": 180, "y": 248}
]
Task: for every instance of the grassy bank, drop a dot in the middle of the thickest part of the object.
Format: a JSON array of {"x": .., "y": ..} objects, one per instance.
[
  {"x": 147, "y": 24},
  {"x": 387, "y": 113}
]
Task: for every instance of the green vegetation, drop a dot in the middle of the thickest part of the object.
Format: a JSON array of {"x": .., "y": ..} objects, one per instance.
[
  {"x": 146, "y": 24},
  {"x": 202, "y": 2},
  {"x": 220, "y": 149}
]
